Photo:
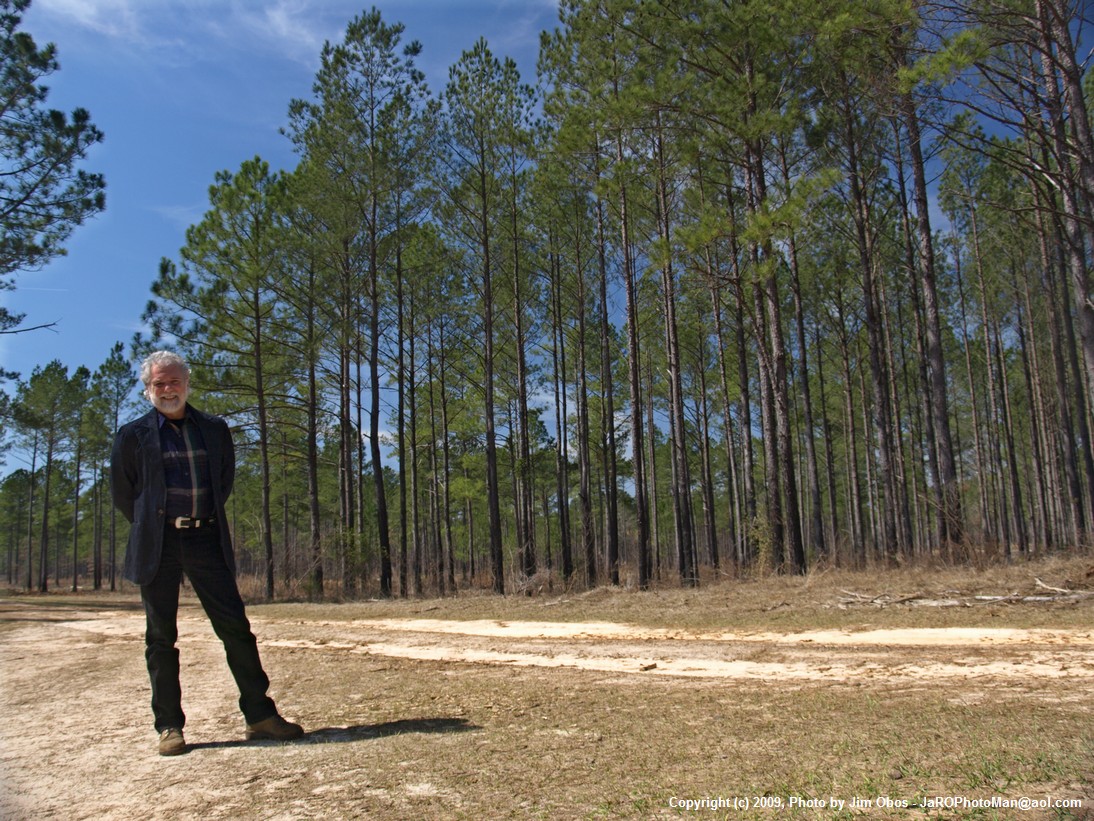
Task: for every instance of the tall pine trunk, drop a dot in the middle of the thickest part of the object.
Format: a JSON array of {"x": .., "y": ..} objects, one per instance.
[
  {"x": 263, "y": 440},
  {"x": 381, "y": 514},
  {"x": 681, "y": 489},
  {"x": 526, "y": 531},
  {"x": 952, "y": 528},
  {"x": 493, "y": 503},
  {"x": 562, "y": 459},
  {"x": 881, "y": 409}
]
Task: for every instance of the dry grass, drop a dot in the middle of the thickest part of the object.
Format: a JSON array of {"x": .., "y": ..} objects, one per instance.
[
  {"x": 396, "y": 738},
  {"x": 568, "y": 744},
  {"x": 814, "y": 601}
]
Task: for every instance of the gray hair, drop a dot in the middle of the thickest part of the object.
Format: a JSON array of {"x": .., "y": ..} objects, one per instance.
[{"x": 161, "y": 358}]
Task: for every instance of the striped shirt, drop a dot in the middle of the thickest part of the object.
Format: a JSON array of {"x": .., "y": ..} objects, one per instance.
[{"x": 185, "y": 469}]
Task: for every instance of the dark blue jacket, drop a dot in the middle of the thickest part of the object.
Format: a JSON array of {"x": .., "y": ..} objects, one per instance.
[{"x": 137, "y": 484}]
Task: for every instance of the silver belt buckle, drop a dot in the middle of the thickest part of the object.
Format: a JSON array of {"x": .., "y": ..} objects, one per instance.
[{"x": 182, "y": 522}]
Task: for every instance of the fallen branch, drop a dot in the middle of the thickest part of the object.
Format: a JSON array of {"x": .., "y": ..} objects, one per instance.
[
  {"x": 1058, "y": 595},
  {"x": 1040, "y": 583},
  {"x": 1015, "y": 598},
  {"x": 864, "y": 599}
]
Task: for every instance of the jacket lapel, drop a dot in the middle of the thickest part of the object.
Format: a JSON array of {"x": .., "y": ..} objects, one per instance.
[{"x": 148, "y": 433}]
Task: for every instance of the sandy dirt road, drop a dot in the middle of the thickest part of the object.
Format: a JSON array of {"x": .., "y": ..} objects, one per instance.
[{"x": 394, "y": 708}]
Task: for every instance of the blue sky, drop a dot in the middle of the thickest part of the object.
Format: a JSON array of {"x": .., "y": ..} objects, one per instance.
[{"x": 183, "y": 89}]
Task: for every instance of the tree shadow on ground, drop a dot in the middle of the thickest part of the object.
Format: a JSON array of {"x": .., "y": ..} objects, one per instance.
[{"x": 357, "y": 732}]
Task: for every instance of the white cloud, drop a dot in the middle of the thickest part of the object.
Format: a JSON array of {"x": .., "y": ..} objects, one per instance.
[
  {"x": 294, "y": 28},
  {"x": 181, "y": 216},
  {"x": 170, "y": 28},
  {"x": 114, "y": 18}
]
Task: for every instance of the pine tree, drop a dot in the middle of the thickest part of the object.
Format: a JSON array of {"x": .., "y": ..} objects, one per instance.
[{"x": 44, "y": 196}]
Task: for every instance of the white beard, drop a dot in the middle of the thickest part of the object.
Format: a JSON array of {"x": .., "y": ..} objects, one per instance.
[{"x": 170, "y": 406}]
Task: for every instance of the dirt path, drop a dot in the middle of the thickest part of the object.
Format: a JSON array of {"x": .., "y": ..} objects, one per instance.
[
  {"x": 75, "y": 740},
  {"x": 897, "y": 655}
]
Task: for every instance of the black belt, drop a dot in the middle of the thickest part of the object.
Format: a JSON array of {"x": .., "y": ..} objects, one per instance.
[{"x": 187, "y": 522}]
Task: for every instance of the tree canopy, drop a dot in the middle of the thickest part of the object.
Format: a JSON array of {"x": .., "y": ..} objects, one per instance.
[
  {"x": 734, "y": 288},
  {"x": 44, "y": 194}
]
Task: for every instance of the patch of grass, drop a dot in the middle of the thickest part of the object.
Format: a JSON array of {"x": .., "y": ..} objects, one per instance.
[
  {"x": 824, "y": 599},
  {"x": 399, "y": 738},
  {"x": 586, "y": 745}
]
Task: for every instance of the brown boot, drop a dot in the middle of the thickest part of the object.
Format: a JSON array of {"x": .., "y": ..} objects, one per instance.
[
  {"x": 274, "y": 728},
  {"x": 172, "y": 742}
]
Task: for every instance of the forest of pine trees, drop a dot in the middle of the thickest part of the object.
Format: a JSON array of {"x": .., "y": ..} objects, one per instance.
[{"x": 730, "y": 288}]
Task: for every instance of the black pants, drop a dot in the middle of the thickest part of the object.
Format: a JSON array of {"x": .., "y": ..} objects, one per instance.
[{"x": 197, "y": 553}]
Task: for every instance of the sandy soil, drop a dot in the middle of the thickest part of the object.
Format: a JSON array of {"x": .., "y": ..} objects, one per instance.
[
  {"x": 76, "y": 741},
  {"x": 820, "y": 655}
]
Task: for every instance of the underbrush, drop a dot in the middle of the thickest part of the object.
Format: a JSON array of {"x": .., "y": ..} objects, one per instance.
[{"x": 1057, "y": 591}]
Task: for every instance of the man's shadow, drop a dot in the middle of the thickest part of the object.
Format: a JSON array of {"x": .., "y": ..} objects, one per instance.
[{"x": 357, "y": 732}]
